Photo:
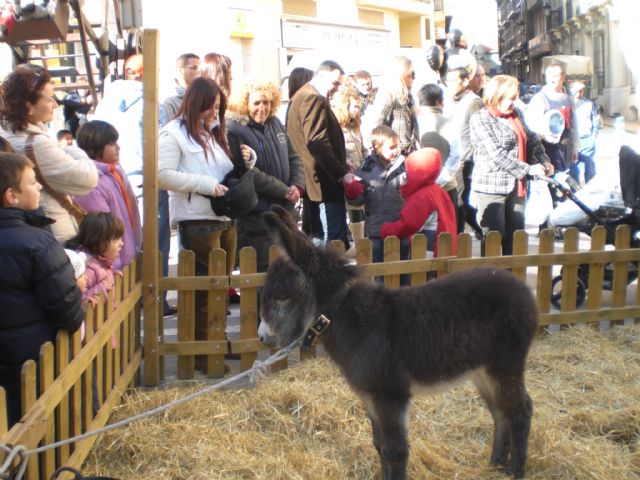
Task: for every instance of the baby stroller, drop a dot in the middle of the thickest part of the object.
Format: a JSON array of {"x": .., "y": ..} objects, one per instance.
[{"x": 608, "y": 210}]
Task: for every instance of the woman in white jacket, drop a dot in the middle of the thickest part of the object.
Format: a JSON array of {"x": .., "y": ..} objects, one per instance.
[
  {"x": 193, "y": 160},
  {"x": 27, "y": 104}
]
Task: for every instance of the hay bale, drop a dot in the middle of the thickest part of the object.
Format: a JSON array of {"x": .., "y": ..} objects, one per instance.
[{"x": 305, "y": 423}]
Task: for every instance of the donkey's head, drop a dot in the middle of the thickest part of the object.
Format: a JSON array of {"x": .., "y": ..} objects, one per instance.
[{"x": 299, "y": 284}]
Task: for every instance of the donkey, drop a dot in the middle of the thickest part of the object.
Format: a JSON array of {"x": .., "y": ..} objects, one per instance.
[{"x": 475, "y": 324}]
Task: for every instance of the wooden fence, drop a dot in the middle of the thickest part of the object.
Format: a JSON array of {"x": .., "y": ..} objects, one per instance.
[
  {"x": 69, "y": 373},
  {"x": 612, "y": 268},
  {"x": 78, "y": 382}
]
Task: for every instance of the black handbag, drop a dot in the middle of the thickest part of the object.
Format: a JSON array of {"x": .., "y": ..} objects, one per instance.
[{"x": 239, "y": 200}]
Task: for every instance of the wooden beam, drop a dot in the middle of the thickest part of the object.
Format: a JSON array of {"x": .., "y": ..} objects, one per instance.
[{"x": 150, "y": 271}]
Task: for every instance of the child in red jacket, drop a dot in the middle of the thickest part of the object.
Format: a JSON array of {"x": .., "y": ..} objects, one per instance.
[{"x": 422, "y": 197}]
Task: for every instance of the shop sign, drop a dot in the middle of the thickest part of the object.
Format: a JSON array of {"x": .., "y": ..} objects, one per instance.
[{"x": 315, "y": 35}]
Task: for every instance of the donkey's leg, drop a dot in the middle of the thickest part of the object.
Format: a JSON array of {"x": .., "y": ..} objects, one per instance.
[
  {"x": 500, "y": 449},
  {"x": 517, "y": 408},
  {"x": 520, "y": 426},
  {"x": 375, "y": 427},
  {"x": 390, "y": 416}
]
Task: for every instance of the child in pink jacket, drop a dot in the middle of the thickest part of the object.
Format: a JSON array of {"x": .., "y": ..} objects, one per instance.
[{"x": 100, "y": 237}]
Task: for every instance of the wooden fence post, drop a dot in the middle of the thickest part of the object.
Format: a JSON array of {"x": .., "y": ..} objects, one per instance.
[
  {"x": 620, "y": 271},
  {"x": 150, "y": 40},
  {"x": 217, "y": 312},
  {"x": 596, "y": 270},
  {"x": 520, "y": 247},
  {"x": 186, "y": 314},
  {"x": 62, "y": 417},
  {"x": 569, "y": 272},
  {"x": 391, "y": 254},
  {"x": 543, "y": 282},
  {"x": 418, "y": 252},
  {"x": 47, "y": 375},
  {"x": 28, "y": 386},
  {"x": 248, "y": 307}
]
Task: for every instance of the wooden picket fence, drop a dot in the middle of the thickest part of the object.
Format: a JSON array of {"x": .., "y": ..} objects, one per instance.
[
  {"x": 537, "y": 268},
  {"x": 58, "y": 395}
]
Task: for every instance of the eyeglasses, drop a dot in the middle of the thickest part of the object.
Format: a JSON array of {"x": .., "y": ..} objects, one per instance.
[{"x": 191, "y": 67}]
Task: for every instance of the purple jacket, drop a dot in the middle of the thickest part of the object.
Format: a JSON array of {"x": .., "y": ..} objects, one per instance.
[{"x": 106, "y": 197}]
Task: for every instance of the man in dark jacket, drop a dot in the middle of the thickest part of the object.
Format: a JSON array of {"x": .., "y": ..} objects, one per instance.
[
  {"x": 38, "y": 291},
  {"x": 317, "y": 137}
]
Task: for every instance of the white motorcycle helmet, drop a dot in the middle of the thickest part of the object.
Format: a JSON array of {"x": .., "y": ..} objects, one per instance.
[{"x": 552, "y": 125}]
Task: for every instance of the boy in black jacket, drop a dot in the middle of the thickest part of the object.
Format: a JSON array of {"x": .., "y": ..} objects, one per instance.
[{"x": 38, "y": 292}]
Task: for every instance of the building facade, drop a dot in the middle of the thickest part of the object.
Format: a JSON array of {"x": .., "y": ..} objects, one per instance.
[
  {"x": 261, "y": 36},
  {"x": 530, "y": 30}
]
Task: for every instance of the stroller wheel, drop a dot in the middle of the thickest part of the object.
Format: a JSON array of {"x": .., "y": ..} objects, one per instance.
[{"x": 556, "y": 292}]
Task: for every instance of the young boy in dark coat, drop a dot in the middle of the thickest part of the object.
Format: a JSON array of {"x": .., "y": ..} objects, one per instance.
[{"x": 38, "y": 291}]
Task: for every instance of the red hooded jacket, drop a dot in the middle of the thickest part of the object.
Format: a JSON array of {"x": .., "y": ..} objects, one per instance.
[{"x": 423, "y": 197}]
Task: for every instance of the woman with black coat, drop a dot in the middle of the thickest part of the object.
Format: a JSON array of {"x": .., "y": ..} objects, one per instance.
[{"x": 278, "y": 173}]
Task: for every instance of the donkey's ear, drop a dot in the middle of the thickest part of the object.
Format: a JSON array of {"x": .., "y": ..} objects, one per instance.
[
  {"x": 285, "y": 216},
  {"x": 284, "y": 233}
]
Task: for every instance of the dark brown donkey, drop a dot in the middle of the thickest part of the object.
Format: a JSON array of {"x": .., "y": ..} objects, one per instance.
[{"x": 475, "y": 324}]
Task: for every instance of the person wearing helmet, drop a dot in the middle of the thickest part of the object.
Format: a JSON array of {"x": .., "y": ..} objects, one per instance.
[{"x": 554, "y": 97}]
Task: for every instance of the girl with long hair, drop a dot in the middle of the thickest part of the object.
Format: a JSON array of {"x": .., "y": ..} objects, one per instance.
[{"x": 193, "y": 159}]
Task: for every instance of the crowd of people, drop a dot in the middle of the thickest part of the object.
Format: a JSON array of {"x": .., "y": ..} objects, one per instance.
[{"x": 363, "y": 162}]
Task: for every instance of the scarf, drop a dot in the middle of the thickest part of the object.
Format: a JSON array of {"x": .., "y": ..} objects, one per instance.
[
  {"x": 123, "y": 190},
  {"x": 521, "y": 140}
]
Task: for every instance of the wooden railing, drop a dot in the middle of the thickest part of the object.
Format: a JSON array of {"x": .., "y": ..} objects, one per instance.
[
  {"x": 535, "y": 267},
  {"x": 77, "y": 383}
]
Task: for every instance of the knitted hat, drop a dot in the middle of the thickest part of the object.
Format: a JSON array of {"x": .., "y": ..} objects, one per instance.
[{"x": 77, "y": 260}]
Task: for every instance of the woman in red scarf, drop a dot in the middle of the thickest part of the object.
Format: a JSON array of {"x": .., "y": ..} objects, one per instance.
[{"x": 505, "y": 152}]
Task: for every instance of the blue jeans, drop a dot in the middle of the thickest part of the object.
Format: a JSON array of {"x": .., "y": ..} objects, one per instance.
[
  {"x": 585, "y": 162},
  {"x": 164, "y": 236},
  {"x": 334, "y": 219}
]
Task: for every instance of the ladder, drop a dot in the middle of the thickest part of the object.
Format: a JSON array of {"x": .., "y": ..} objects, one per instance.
[{"x": 34, "y": 40}]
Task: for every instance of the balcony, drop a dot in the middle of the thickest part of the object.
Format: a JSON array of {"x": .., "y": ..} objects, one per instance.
[
  {"x": 416, "y": 7},
  {"x": 540, "y": 45}
]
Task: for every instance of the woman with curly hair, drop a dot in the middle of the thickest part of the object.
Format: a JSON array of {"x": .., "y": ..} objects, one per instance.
[
  {"x": 27, "y": 105},
  {"x": 346, "y": 104},
  {"x": 279, "y": 175}
]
